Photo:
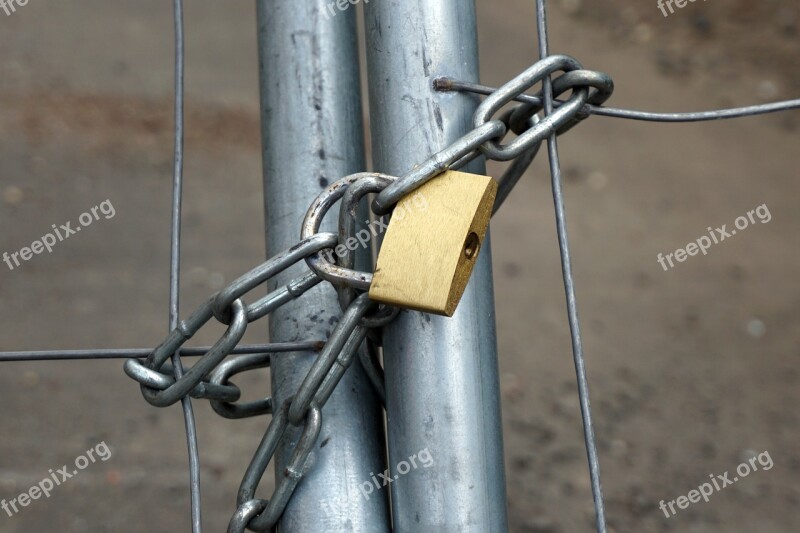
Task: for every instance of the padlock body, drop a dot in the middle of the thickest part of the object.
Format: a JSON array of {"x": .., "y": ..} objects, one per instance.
[{"x": 428, "y": 254}]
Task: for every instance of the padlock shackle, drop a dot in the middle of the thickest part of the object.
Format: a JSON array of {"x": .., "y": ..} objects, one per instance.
[{"x": 337, "y": 275}]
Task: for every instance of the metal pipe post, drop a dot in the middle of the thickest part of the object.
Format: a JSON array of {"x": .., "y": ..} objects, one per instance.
[
  {"x": 442, "y": 385},
  {"x": 312, "y": 135}
]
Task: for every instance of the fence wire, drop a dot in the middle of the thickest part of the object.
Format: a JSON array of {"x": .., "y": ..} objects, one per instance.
[
  {"x": 569, "y": 283},
  {"x": 450, "y": 84},
  {"x": 589, "y": 90},
  {"x": 175, "y": 270}
]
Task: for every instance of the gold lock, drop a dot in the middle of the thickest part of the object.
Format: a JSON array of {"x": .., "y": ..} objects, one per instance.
[{"x": 428, "y": 254}]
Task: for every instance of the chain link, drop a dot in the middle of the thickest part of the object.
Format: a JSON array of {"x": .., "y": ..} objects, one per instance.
[
  {"x": 601, "y": 87},
  {"x": 262, "y": 515},
  {"x": 228, "y": 369}
]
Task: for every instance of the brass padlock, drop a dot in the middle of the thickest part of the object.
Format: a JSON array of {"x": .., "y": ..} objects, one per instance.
[{"x": 428, "y": 254}]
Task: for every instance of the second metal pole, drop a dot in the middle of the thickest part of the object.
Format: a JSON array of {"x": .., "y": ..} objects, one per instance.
[{"x": 442, "y": 386}]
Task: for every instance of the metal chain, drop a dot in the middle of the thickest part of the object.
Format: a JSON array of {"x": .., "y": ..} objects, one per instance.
[
  {"x": 487, "y": 133},
  {"x": 210, "y": 376}
]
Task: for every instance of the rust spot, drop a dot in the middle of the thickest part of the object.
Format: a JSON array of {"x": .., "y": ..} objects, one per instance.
[{"x": 318, "y": 346}]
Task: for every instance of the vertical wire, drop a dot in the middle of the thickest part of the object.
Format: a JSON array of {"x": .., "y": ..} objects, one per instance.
[
  {"x": 569, "y": 286},
  {"x": 174, "y": 273}
]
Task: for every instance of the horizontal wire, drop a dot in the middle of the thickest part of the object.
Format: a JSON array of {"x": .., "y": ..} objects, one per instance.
[
  {"x": 127, "y": 353},
  {"x": 449, "y": 84},
  {"x": 697, "y": 116}
]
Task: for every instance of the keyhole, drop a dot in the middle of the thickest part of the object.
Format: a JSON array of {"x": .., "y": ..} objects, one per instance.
[{"x": 472, "y": 245}]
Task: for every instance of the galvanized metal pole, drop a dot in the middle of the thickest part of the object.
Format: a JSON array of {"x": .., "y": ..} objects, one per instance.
[
  {"x": 442, "y": 385},
  {"x": 312, "y": 135}
]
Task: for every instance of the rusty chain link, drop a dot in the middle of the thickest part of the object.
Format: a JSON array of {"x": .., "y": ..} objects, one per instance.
[{"x": 209, "y": 377}]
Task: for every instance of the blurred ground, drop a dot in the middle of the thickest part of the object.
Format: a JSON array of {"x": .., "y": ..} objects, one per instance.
[{"x": 691, "y": 370}]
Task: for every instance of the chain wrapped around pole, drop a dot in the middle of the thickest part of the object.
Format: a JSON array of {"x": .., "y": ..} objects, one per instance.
[{"x": 210, "y": 376}]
